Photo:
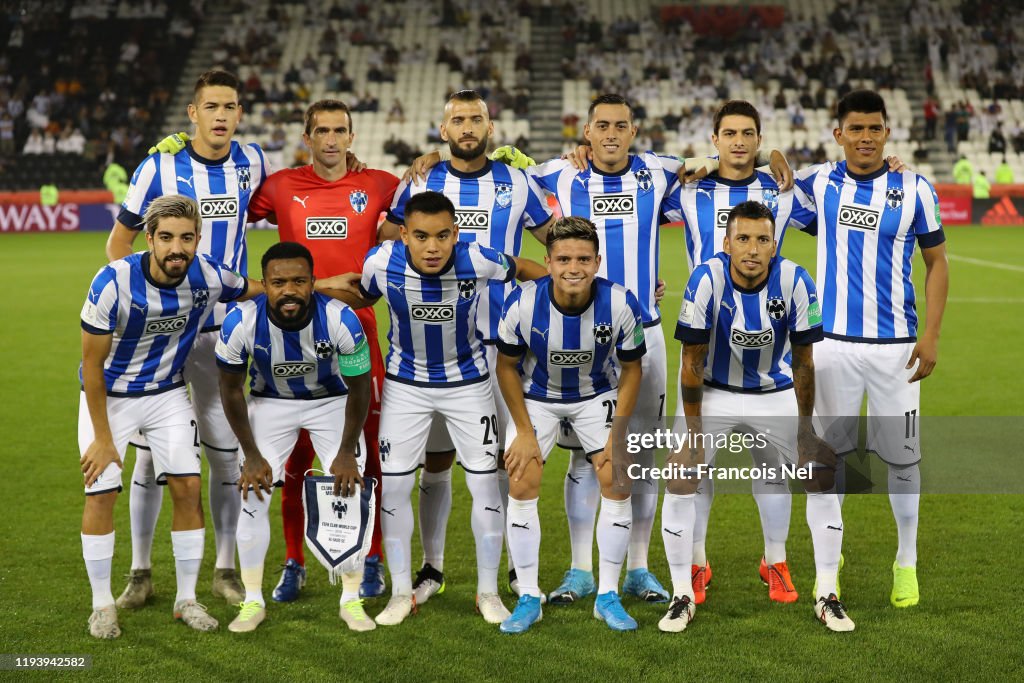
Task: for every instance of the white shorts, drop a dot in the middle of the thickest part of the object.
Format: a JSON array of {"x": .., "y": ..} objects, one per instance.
[
  {"x": 772, "y": 415},
  {"x": 650, "y": 403},
  {"x": 407, "y": 411},
  {"x": 204, "y": 382},
  {"x": 590, "y": 419},
  {"x": 276, "y": 423},
  {"x": 440, "y": 442},
  {"x": 844, "y": 372},
  {"x": 166, "y": 420}
]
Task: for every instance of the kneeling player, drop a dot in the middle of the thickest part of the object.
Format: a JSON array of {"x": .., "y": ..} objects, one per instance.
[
  {"x": 748, "y": 322},
  {"x": 563, "y": 330},
  {"x": 138, "y": 326},
  {"x": 310, "y": 367}
]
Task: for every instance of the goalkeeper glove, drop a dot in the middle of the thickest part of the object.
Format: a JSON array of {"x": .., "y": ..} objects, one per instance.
[
  {"x": 510, "y": 156},
  {"x": 172, "y": 144}
]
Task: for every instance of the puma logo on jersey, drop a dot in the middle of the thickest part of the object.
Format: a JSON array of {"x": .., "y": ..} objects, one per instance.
[
  {"x": 301, "y": 201},
  {"x": 141, "y": 309},
  {"x": 187, "y": 181},
  {"x": 543, "y": 333}
]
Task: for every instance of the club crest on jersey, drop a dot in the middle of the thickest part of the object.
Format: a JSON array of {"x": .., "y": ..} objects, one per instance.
[
  {"x": 602, "y": 334},
  {"x": 503, "y": 195},
  {"x": 776, "y": 307},
  {"x": 467, "y": 288},
  {"x": 384, "y": 447},
  {"x": 894, "y": 197},
  {"x": 244, "y": 180},
  {"x": 644, "y": 180},
  {"x": 323, "y": 348},
  {"x": 770, "y": 198},
  {"x": 200, "y": 297},
  {"x": 358, "y": 199}
]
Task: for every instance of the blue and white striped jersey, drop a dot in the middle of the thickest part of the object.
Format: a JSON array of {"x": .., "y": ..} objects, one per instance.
[
  {"x": 626, "y": 208},
  {"x": 749, "y": 332},
  {"x": 705, "y": 207},
  {"x": 433, "y": 337},
  {"x": 222, "y": 188},
  {"x": 492, "y": 206},
  {"x": 867, "y": 227},
  {"x": 569, "y": 355},
  {"x": 154, "y": 326},
  {"x": 291, "y": 364}
]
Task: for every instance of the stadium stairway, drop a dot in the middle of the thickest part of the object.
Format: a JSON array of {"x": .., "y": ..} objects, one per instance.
[
  {"x": 893, "y": 15},
  {"x": 546, "y": 89},
  {"x": 214, "y": 26}
]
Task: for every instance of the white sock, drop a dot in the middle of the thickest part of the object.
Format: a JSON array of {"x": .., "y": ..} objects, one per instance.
[
  {"x": 905, "y": 499},
  {"x": 188, "y": 556},
  {"x": 613, "y": 531},
  {"x": 488, "y": 522},
  {"x": 581, "y": 495},
  {"x": 503, "y": 487},
  {"x": 523, "y": 534},
  {"x": 435, "y": 507},
  {"x": 98, "y": 553},
  {"x": 825, "y": 519},
  {"x": 350, "y": 585},
  {"x": 678, "y": 516},
  {"x": 253, "y": 536},
  {"x": 144, "y": 500},
  {"x": 645, "y": 506},
  {"x": 225, "y": 503},
  {"x": 396, "y": 525},
  {"x": 702, "y": 503},
  {"x": 774, "y": 504}
]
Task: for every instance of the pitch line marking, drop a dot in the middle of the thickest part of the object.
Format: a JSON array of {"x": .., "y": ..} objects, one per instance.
[{"x": 987, "y": 264}]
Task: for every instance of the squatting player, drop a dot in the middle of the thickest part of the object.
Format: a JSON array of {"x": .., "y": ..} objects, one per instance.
[
  {"x": 333, "y": 211},
  {"x": 493, "y": 203},
  {"x": 139, "y": 323},
  {"x": 310, "y": 367},
  {"x": 567, "y": 332},
  {"x": 222, "y": 176},
  {"x": 436, "y": 366},
  {"x": 747, "y": 323},
  {"x": 869, "y": 221}
]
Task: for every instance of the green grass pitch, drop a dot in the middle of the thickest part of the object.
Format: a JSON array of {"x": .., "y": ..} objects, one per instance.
[{"x": 965, "y": 627}]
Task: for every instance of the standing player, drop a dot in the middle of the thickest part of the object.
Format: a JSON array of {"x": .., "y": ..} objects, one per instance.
[
  {"x": 436, "y": 366},
  {"x": 567, "y": 331},
  {"x": 138, "y": 326},
  {"x": 333, "y": 211},
  {"x": 747, "y": 323},
  {"x": 221, "y": 175},
  {"x": 869, "y": 220},
  {"x": 310, "y": 369},
  {"x": 493, "y": 203}
]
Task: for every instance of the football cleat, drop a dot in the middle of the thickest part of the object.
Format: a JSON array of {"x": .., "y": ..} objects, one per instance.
[
  {"x": 707, "y": 575},
  {"x": 491, "y": 608},
  {"x": 429, "y": 582},
  {"x": 373, "y": 585},
  {"x": 513, "y": 586},
  {"x": 608, "y": 608},
  {"x": 762, "y": 571},
  {"x": 293, "y": 578},
  {"x": 226, "y": 585},
  {"x": 642, "y": 583},
  {"x": 576, "y": 585},
  {"x": 138, "y": 590},
  {"x": 251, "y": 614},
  {"x": 905, "y": 592},
  {"x": 525, "y": 615},
  {"x": 103, "y": 623},
  {"x": 680, "y": 614},
  {"x": 842, "y": 561},
  {"x": 399, "y": 607},
  {"x": 832, "y": 613},
  {"x": 780, "y": 585},
  {"x": 355, "y": 617},
  {"x": 698, "y": 579},
  {"x": 194, "y": 615}
]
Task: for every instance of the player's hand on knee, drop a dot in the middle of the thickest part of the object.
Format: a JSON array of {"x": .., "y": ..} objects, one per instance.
[
  {"x": 97, "y": 457},
  {"x": 580, "y": 157},
  {"x": 811, "y": 448},
  {"x": 345, "y": 469},
  {"x": 353, "y": 164},
  {"x": 926, "y": 355},
  {"x": 256, "y": 475},
  {"x": 781, "y": 170},
  {"x": 523, "y": 449}
]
